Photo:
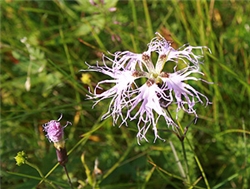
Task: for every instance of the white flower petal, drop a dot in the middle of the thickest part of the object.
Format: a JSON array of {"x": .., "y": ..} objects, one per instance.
[
  {"x": 184, "y": 93},
  {"x": 148, "y": 100}
]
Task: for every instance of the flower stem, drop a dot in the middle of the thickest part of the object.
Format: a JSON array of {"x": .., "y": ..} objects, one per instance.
[
  {"x": 40, "y": 173},
  {"x": 182, "y": 172},
  {"x": 185, "y": 161},
  {"x": 69, "y": 180},
  {"x": 35, "y": 167}
]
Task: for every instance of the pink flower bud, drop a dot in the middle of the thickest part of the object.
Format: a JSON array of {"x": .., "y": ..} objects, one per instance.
[{"x": 55, "y": 130}]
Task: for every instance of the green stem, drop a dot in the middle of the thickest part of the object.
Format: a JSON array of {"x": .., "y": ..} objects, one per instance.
[
  {"x": 199, "y": 165},
  {"x": 35, "y": 167},
  {"x": 40, "y": 173},
  {"x": 72, "y": 73},
  {"x": 119, "y": 161},
  {"x": 44, "y": 178},
  {"x": 186, "y": 161},
  {"x": 148, "y": 20},
  {"x": 246, "y": 178},
  {"x": 135, "y": 20},
  {"x": 182, "y": 172}
]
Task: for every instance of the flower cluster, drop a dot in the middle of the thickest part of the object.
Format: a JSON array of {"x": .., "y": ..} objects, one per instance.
[
  {"x": 20, "y": 158},
  {"x": 143, "y": 90}
]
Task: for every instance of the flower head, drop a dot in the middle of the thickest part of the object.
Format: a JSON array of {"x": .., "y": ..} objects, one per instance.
[
  {"x": 147, "y": 99},
  {"x": 20, "y": 158},
  {"x": 55, "y": 132}
]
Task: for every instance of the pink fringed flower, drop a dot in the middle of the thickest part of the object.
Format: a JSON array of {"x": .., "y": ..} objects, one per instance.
[
  {"x": 146, "y": 99},
  {"x": 54, "y": 130},
  {"x": 55, "y": 134}
]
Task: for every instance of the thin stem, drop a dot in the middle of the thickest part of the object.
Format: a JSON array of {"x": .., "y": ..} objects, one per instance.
[
  {"x": 44, "y": 178},
  {"x": 35, "y": 167},
  {"x": 40, "y": 173},
  {"x": 183, "y": 174},
  {"x": 199, "y": 165},
  {"x": 246, "y": 177},
  {"x": 118, "y": 163},
  {"x": 135, "y": 20},
  {"x": 147, "y": 18},
  {"x": 186, "y": 162},
  {"x": 69, "y": 180}
]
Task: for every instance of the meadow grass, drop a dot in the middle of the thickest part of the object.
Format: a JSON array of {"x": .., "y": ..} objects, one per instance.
[{"x": 44, "y": 44}]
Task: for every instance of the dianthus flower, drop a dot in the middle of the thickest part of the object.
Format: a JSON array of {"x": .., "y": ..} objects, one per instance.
[
  {"x": 55, "y": 134},
  {"x": 54, "y": 130},
  {"x": 147, "y": 99}
]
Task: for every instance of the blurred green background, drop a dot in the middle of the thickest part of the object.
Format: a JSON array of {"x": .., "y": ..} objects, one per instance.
[{"x": 44, "y": 44}]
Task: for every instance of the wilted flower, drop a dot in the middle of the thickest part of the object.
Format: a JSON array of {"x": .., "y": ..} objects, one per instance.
[{"x": 147, "y": 101}]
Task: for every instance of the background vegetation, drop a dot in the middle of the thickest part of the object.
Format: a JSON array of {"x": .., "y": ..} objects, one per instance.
[{"x": 44, "y": 44}]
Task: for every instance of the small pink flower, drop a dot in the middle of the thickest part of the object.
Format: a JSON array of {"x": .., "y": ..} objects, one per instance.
[{"x": 55, "y": 130}]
